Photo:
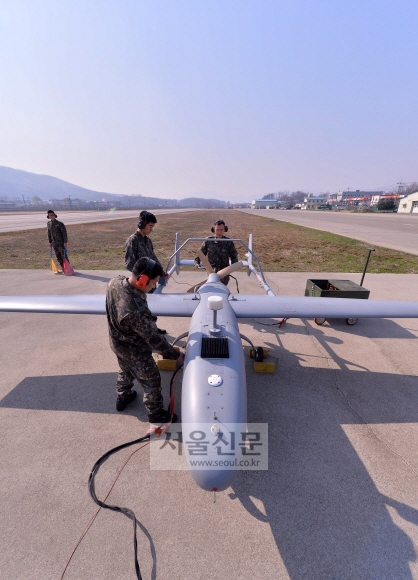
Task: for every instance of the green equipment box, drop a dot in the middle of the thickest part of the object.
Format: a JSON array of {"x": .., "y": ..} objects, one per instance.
[{"x": 335, "y": 289}]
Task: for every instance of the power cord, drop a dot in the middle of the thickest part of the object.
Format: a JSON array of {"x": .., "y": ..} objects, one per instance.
[
  {"x": 236, "y": 281},
  {"x": 279, "y": 324},
  {"x": 179, "y": 283},
  {"x": 126, "y": 511},
  {"x": 86, "y": 529},
  {"x": 157, "y": 432}
]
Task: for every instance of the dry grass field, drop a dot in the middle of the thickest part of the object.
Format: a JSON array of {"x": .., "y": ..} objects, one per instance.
[{"x": 280, "y": 246}]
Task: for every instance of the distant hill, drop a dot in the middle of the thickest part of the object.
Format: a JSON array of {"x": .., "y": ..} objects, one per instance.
[{"x": 14, "y": 183}]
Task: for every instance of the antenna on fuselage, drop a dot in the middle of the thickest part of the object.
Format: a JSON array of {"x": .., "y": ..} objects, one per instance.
[{"x": 215, "y": 303}]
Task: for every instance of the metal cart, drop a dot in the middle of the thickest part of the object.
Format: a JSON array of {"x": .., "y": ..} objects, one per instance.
[
  {"x": 339, "y": 289},
  {"x": 336, "y": 289}
]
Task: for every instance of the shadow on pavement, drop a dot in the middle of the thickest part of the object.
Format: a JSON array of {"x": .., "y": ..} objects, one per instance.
[
  {"x": 368, "y": 327},
  {"x": 88, "y": 393},
  {"x": 92, "y": 277},
  {"x": 327, "y": 516}
]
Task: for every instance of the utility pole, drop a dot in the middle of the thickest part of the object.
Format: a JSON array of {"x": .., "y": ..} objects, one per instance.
[
  {"x": 24, "y": 200},
  {"x": 69, "y": 197}
]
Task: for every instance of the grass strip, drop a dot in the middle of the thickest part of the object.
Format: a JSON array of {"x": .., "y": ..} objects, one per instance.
[{"x": 280, "y": 246}]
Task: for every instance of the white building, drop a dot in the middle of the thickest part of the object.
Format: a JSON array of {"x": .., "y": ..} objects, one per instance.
[
  {"x": 358, "y": 195},
  {"x": 312, "y": 201},
  {"x": 376, "y": 198},
  {"x": 409, "y": 204}
]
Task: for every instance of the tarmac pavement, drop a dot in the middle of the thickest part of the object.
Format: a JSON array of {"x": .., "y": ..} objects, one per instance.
[
  {"x": 398, "y": 231},
  {"x": 339, "y": 501},
  {"x": 13, "y": 222}
]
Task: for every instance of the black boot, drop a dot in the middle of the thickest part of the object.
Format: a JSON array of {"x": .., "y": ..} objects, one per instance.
[{"x": 123, "y": 400}]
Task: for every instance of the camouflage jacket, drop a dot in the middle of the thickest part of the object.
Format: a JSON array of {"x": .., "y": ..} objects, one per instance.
[
  {"x": 57, "y": 233},
  {"x": 138, "y": 246},
  {"x": 132, "y": 327},
  {"x": 218, "y": 253}
]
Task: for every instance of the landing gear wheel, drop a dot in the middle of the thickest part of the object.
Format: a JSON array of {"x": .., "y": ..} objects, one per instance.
[
  {"x": 259, "y": 354},
  {"x": 351, "y": 321},
  {"x": 320, "y": 321}
]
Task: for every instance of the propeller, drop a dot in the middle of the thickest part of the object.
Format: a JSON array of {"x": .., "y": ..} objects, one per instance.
[
  {"x": 208, "y": 269},
  {"x": 229, "y": 269},
  {"x": 222, "y": 273},
  {"x": 192, "y": 288},
  {"x": 205, "y": 262}
]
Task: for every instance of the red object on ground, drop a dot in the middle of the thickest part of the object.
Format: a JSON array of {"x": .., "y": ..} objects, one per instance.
[{"x": 67, "y": 268}]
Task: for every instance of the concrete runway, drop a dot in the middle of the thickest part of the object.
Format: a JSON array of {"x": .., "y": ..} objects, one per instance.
[
  {"x": 339, "y": 501},
  {"x": 388, "y": 230},
  {"x": 13, "y": 222}
]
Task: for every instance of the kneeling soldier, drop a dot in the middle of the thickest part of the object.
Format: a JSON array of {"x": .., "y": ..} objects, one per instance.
[{"x": 133, "y": 336}]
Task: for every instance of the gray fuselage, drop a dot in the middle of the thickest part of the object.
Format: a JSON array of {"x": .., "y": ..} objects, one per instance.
[{"x": 214, "y": 390}]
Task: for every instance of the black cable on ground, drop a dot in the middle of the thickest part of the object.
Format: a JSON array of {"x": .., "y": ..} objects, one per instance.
[
  {"x": 279, "y": 324},
  {"x": 127, "y": 512},
  {"x": 90, "y": 522}
]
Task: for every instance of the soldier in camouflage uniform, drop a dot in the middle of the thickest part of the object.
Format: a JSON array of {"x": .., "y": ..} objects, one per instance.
[
  {"x": 139, "y": 245},
  {"x": 57, "y": 236},
  {"x": 133, "y": 336},
  {"x": 219, "y": 253}
]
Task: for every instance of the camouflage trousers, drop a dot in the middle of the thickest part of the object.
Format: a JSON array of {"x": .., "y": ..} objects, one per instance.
[
  {"x": 148, "y": 376},
  {"x": 59, "y": 252}
]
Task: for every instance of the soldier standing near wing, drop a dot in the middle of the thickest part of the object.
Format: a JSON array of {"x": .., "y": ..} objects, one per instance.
[
  {"x": 57, "y": 236},
  {"x": 133, "y": 336},
  {"x": 139, "y": 245},
  {"x": 219, "y": 253}
]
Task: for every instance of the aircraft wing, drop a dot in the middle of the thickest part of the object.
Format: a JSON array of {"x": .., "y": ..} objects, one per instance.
[
  {"x": 159, "y": 304},
  {"x": 172, "y": 304},
  {"x": 244, "y": 306},
  {"x": 70, "y": 304},
  {"x": 250, "y": 306}
]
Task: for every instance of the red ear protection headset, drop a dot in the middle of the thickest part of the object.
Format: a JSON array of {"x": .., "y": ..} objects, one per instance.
[
  {"x": 143, "y": 279},
  {"x": 219, "y": 223}
]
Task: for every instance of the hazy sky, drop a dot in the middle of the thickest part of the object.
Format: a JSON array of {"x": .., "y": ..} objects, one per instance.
[{"x": 232, "y": 98}]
